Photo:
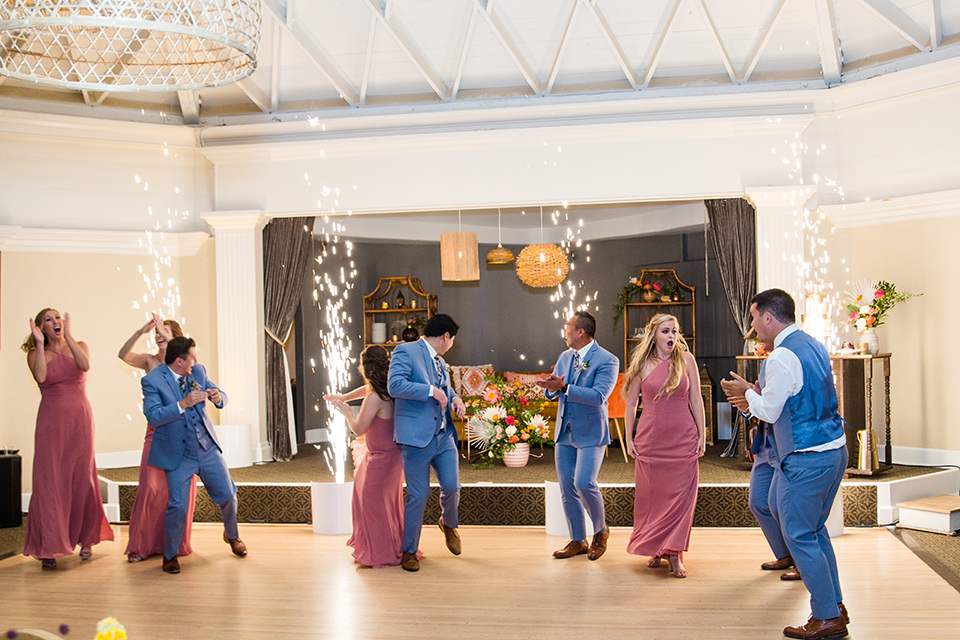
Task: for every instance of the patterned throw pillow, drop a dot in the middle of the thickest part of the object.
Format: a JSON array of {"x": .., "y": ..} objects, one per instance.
[
  {"x": 527, "y": 383},
  {"x": 472, "y": 380}
]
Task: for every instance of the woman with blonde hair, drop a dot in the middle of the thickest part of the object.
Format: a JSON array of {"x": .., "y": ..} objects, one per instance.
[
  {"x": 668, "y": 443},
  {"x": 66, "y": 509},
  {"x": 146, "y": 517}
]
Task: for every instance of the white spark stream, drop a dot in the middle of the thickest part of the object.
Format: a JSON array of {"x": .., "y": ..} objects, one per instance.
[{"x": 331, "y": 293}]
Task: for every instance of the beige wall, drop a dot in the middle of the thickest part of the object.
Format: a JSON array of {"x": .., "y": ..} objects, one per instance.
[
  {"x": 918, "y": 256},
  {"x": 97, "y": 291}
]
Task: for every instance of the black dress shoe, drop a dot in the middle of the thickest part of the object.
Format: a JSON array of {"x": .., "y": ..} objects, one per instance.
[
  {"x": 573, "y": 548},
  {"x": 409, "y": 562},
  {"x": 778, "y": 565},
  {"x": 236, "y": 545},
  {"x": 599, "y": 544},
  {"x": 172, "y": 565},
  {"x": 834, "y": 628},
  {"x": 451, "y": 537}
]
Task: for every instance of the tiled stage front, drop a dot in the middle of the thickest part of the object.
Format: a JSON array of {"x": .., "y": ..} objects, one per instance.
[{"x": 280, "y": 492}]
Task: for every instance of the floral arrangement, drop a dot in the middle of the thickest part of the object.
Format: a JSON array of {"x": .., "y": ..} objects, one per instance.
[
  {"x": 759, "y": 349},
  {"x": 503, "y": 417},
  {"x": 629, "y": 292},
  {"x": 107, "y": 629},
  {"x": 869, "y": 303},
  {"x": 417, "y": 321}
]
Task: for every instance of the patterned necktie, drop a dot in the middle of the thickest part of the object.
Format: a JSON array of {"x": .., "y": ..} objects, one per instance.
[
  {"x": 439, "y": 369},
  {"x": 576, "y": 362},
  {"x": 183, "y": 385}
]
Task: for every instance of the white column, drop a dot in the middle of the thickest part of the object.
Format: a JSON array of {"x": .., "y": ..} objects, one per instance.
[
  {"x": 239, "y": 247},
  {"x": 781, "y": 239}
]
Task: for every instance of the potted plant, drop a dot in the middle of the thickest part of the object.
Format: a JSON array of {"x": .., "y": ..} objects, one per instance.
[{"x": 504, "y": 423}]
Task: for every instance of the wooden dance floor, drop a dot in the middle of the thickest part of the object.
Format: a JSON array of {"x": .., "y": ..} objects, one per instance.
[{"x": 505, "y": 585}]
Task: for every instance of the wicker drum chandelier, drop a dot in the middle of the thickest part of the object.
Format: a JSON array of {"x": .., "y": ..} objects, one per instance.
[
  {"x": 499, "y": 254},
  {"x": 542, "y": 265},
  {"x": 129, "y": 45}
]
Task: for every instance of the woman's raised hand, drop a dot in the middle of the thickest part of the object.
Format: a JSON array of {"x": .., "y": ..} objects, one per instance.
[{"x": 36, "y": 332}]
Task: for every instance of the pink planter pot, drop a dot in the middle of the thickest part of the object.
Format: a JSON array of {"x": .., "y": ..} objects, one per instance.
[{"x": 518, "y": 457}]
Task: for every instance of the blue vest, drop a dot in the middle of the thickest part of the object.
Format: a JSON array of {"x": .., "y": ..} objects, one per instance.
[
  {"x": 766, "y": 435},
  {"x": 810, "y": 418}
]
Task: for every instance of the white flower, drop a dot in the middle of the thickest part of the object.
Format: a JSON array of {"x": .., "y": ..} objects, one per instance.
[
  {"x": 633, "y": 280},
  {"x": 494, "y": 414},
  {"x": 865, "y": 309},
  {"x": 538, "y": 421},
  {"x": 861, "y": 324},
  {"x": 511, "y": 430}
]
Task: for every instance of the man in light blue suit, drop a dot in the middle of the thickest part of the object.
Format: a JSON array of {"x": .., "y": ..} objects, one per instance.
[
  {"x": 799, "y": 398},
  {"x": 185, "y": 443},
  {"x": 423, "y": 427},
  {"x": 582, "y": 380}
]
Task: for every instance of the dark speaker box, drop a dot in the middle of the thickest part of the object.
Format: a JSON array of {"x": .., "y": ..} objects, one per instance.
[{"x": 10, "y": 513}]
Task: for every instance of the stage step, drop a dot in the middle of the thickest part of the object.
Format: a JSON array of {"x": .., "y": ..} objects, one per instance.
[{"x": 939, "y": 514}]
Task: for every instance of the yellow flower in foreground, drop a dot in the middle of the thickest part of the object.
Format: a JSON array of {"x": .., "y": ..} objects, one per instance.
[{"x": 110, "y": 629}]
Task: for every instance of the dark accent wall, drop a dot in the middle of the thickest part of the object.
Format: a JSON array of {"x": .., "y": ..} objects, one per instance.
[{"x": 512, "y": 326}]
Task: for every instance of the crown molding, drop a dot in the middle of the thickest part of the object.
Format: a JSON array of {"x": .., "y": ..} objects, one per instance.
[
  {"x": 36, "y": 240},
  {"x": 939, "y": 204}
]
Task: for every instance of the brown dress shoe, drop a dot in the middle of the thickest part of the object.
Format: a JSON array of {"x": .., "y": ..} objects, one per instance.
[
  {"x": 452, "y": 538},
  {"x": 778, "y": 565},
  {"x": 843, "y": 612},
  {"x": 172, "y": 565},
  {"x": 834, "y": 628},
  {"x": 573, "y": 548},
  {"x": 236, "y": 545},
  {"x": 599, "y": 544},
  {"x": 409, "y": 562},
  {"x": 793, "y": 574}
]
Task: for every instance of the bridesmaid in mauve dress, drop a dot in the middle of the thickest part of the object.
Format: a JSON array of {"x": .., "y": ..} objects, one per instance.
[
  {"x": 669, "y": 441},
  {"x": 377, "y": 538},
  {"x": 66, "y": 509},
  {"x": 146, "y": 516}
]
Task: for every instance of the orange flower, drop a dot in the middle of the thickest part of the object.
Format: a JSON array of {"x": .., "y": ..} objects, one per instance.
[{"x": 513, "y": 439}]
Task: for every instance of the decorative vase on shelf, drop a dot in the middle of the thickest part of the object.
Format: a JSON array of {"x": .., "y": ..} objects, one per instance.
[
  {"x": 518, "y": 457},
  {"x": 649, "y": 296},
  {"x": 869, "y": 338}
]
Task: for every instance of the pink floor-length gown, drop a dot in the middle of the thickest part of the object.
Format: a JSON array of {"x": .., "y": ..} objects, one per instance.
[
  {"x": 66, "y": 509},
  {"x": 667, "y": 469},
  {"x": 146, "y": 517},
  {"x": 377, "y": 538}
]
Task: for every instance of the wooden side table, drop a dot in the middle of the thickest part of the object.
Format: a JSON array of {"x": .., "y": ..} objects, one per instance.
[{"x": 854, "y": 376}]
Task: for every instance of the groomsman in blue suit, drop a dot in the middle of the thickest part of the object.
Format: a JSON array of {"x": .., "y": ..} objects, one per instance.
[
  {"x": 185, "y": 443},
  {"x": 582, "y": 380},
  {"x": 423, "y": 427},
  {"x": 798, "y": 397}
]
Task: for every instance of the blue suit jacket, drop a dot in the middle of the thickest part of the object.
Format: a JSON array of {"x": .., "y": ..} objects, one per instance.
[
  {"x": 161, "y": 393},
  {"x": 416, "y": 415},
  {"x": 584, "y": 405}
]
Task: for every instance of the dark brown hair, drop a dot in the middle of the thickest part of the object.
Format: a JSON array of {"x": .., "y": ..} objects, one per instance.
[{"x": 375, "y": 363}]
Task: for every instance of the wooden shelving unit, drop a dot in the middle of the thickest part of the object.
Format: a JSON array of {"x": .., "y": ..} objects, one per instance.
[
  {"x": 416, "y": 302},
  {"x": 637, "y": 314}
]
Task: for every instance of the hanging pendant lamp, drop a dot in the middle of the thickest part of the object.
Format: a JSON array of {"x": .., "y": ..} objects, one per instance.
[
  {"x": 129, "y": 45},
  {"x": 459, "y": 255},
  {"x": 542, "y": 265},
  {"x": 499, "y": 255}
]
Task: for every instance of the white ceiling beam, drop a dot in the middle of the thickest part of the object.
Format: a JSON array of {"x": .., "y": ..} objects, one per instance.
[
  {"x": 828, "y": 42},
  {"x": 510, "y": 46},
  {"x": 255, "y": 94},
  {"x": 368, "y": 59},
  {"x": 607, "y": 31},
  {"x": 897, "y": 20},
  {"x": 717, "y": 41},
  {"x": 409, "y": 47},
  {"x": 276, "y": 68},
  {"x": 763, "y": 39},
  {"x": 661, "y": 44},
  {"x": 306, "y": 44},
  {"x": 189, "y": 106},
  {"x": 564, "y": 41},
  {"x": 463, "y": 52},
  {"x": 936, "y": 25}
]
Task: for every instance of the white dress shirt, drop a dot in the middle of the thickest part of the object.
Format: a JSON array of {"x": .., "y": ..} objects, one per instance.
[{"x": 783, "y": 379}]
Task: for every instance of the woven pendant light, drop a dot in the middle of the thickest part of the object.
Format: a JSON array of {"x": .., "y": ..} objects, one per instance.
[
  {"x": 499, "y": 255},
  {"x": 459, "y": 255},
  {"x": 542, "y": 265}
]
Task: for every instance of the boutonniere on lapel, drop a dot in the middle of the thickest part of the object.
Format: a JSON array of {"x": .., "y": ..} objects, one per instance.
[
  {"x": 584, "y": 366},
  {"x": 194, "y": 385}
]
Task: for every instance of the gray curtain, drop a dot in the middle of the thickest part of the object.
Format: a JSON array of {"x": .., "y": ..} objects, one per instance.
[
  {"x": 733, "y": 224},
  {"x": 733, "y": 227},
  {"x": 287, "y": 247}
]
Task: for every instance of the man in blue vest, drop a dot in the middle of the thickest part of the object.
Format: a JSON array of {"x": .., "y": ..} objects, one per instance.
[{"x": 799, "y": 399}]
